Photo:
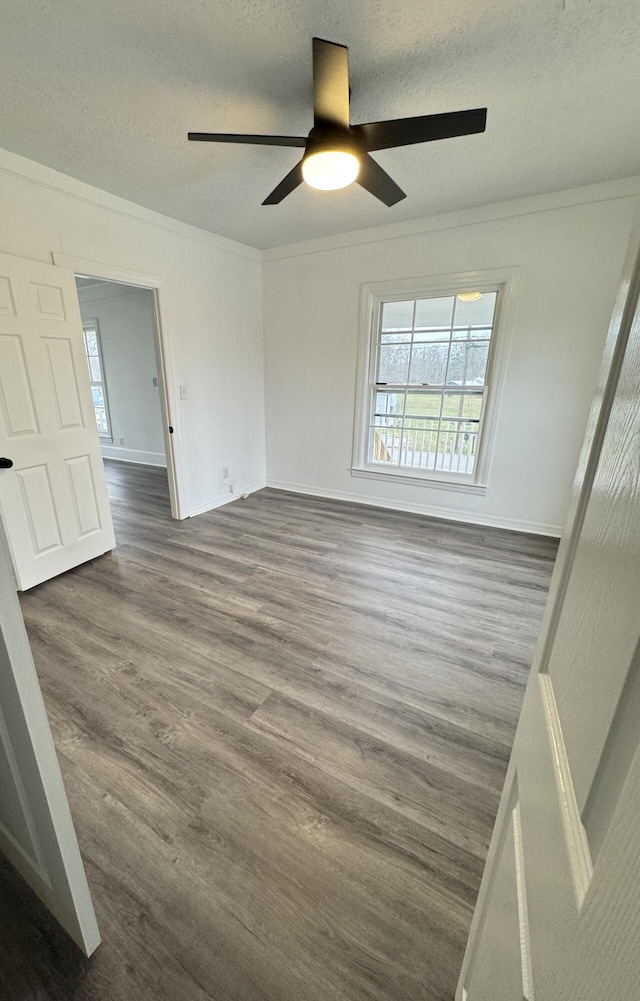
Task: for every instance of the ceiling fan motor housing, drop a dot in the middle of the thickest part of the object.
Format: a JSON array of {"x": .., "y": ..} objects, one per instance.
[{"x": 330, "y": 138}]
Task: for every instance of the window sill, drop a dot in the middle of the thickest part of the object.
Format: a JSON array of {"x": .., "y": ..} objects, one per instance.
[{"x": 439, "y": 482}]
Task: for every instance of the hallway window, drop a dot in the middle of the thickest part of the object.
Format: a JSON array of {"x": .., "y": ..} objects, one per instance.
[{"x": 96, "y": 375}]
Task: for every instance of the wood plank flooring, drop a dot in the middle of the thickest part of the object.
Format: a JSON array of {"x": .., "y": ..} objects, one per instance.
[{"x": 283, "y": 728}]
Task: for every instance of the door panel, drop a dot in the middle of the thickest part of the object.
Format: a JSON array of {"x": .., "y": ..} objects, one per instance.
[
  {"x": 16, "y": 400},
  {"x": 597, "y": 632},
  {"x": 49, "y": 302},
  {"x": 615, "y": 762},
  {"x": 603, "y": 960},
  {"x": 16, "y": 821},
  {"x": 64, "y": 382},
  {"x": 556, "y": 864},
  {"x": 7, "y": 305},
  {"x": 36, "y": 830},
  {"x": 83, "y": 492},
  {"x": 498, "y": 973},
  {"x": 39, "y": 508},
  {"x": 53, "y": 502},
  {"x": 576, "y": 755}
]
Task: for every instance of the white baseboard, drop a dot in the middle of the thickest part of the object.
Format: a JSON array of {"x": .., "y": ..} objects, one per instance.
[
  {"x": 133, "y": 455},
  {"x": 429, "y": 510},
  {"x": 222, "y": 499}
]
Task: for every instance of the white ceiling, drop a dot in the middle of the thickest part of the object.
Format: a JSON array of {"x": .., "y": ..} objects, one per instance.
[{"x": 106, "y": 92}]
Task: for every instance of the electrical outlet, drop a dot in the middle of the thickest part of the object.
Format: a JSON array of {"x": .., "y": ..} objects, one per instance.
[
  {"x": 121, "y": 441},
  {"x": 231, "y": 488},
  {"x": 225, "y": 472}
]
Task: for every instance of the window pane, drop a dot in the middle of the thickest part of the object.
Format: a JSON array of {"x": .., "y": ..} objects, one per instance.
[
  {"x": 383, "y": 421},
  {"x": 419, "y": 442},
  {"x": 91, "y": 342},
  {"x": 467, "y": 364},
  {"x": 424, "y": 404},
  {"x": 462, "y": 405},
  {"x": 101, "y": 420},
  {"x": 397, "y": 316},
  {"x": 384, "y": 445},
  {"x": 458, "y": 427},
  {"x": 429, "y": 363},
  {"x": 428, "y": 444},
  {"x": 456, "y": 448},
  {"x": 94, "y": 368},
  {"x": 440, "y": 334},
  {"x": 475, "y": 314},
  {"x": 393, "y": 364},
  {"x": 432, "y": 313},
  {"x": 388, "y": 403},
  {"x": 98, "y": 396},
  {"x": 472, "y": 333},
  {"x": 403, "y": 338}
]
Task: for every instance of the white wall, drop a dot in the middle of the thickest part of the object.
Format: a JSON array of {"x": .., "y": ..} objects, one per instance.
[
  {"x": 211, "y": 314},
  {"x": 570, "y": 249},
  {"x": 569, "y": 246},
  {"x": 126, "y": 322}
]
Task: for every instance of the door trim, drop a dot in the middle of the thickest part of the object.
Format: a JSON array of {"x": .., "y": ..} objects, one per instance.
[{"x": 165, "y": 362}]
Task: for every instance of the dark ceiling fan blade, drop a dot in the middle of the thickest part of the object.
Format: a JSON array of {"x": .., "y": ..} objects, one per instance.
[
  {"x": 422, "y": 129},
  {"x": 376, "y": 180},
  {"x": 226, "y": 137},
  {"x": 286, "y": 186},
  {"x": 330, "y": 83}
]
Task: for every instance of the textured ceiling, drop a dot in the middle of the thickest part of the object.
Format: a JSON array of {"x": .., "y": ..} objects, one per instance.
[{"x": 106, "y": 91}]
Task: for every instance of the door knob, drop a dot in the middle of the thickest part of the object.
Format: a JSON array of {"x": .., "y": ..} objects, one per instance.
[{"x": 6, "y": 463}]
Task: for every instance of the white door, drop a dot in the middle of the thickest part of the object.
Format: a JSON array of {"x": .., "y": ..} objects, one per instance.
[
  {"x": 558, "y": 915},
  {"x": 53, "y": 500},
  {"x": 36, "y": 830}
]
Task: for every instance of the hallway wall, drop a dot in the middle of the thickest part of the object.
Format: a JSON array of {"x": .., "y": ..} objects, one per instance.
[{"x": 126, "y": 323}]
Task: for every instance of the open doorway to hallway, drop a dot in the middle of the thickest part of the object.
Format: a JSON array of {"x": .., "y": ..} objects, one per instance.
[{"x": 121, "y": 345}]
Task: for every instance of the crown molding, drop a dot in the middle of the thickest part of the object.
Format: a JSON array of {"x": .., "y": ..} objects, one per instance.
[
  {"x": 626, "y": 187},
  {"x": 31, "y": 172}
]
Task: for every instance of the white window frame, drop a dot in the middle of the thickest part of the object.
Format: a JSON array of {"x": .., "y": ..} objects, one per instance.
[
  {"x": 93, "y": 325},
  {"x": 504, "y": 281}
]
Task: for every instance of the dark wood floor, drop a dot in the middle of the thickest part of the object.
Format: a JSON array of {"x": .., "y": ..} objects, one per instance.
[{"x": 283, "y": 728}]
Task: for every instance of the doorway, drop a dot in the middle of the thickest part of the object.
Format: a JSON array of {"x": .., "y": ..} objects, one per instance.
[
  {"x": 86, "y": 270},
  {"x": 122, "y": 351}
]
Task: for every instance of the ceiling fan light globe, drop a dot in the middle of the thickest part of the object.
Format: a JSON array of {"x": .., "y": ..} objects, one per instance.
[{"x": 329, "y": 170}]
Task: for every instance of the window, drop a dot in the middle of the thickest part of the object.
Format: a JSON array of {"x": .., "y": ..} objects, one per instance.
[
  {"x": 96, "y": 375},
  {"x": 423, "y": 408}
]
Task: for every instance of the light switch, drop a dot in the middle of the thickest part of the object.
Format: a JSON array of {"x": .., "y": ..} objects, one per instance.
[{"x": 184, "y": 393}]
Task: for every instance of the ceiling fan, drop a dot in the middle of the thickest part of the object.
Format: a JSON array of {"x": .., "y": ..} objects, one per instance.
[{"x": 336, "y": 153}]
